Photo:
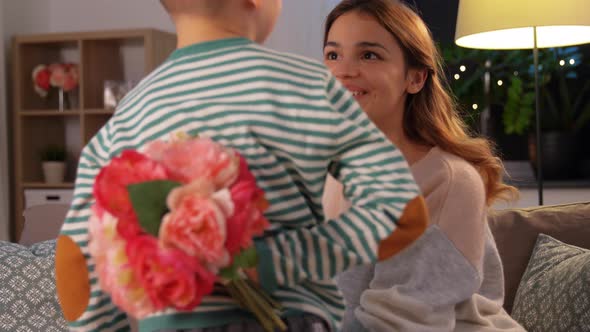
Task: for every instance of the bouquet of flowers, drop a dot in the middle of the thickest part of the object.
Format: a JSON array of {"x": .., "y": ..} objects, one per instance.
[
  {"x": 64, "y": 76},
  {"x": 171, "y": 221}
]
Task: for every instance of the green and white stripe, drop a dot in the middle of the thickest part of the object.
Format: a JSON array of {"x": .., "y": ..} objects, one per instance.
[{"x": 290, "y": 119}]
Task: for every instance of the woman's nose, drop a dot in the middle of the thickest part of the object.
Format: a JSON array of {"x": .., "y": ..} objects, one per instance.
[{"x": 345, "y": 69}]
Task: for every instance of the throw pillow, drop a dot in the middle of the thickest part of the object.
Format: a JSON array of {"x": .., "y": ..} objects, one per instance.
[
  {"x": 516, "y": 230},
  {"x": 554, "y": 293},
  {"x": 28, "y": 300}
]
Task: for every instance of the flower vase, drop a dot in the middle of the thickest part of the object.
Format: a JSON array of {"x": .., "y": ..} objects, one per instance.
[{"x": 64, "y": 100}]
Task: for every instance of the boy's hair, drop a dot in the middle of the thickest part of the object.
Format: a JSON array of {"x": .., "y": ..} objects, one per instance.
[{"x": 193, "y": 6}]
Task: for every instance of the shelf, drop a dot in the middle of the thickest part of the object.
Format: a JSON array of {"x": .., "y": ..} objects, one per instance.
[
  {"x": 98, "y": 111},
  {"x": 43, "y": 185},
  {"x": 50, "y": 113},
  {"x": 74, "y": 36},
  {"x": 38, "y": 122},
  {"x": 39, "y": 131},
  {"x": 127, "y": 62},
  {"x": 94, "y": 121},
  {"x": 94, "y": 111}
]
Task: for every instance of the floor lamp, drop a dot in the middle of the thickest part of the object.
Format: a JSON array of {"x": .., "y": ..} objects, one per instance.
[{"x": 524, "y": 24}]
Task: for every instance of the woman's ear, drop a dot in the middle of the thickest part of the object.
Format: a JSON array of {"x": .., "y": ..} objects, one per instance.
[{"x": 416, "y": 79}]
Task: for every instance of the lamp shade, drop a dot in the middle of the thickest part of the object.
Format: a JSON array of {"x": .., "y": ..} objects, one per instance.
[{"x": 508, "y": 24}]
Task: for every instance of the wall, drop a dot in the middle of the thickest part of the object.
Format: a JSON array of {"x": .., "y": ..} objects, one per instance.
[
  {"x": 23, "y": 17},
  {"x": 85, "y": 15},
  {"x": 16, "y": 17},
  {"x": 4, "y": 215},
  {"x": 298, "y": 30},
  {"x": 300, "y": 27}
]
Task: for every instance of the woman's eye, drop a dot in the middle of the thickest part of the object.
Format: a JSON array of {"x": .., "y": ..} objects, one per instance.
[
  {"x": 331, "y": 56},
  {"x": 370, "y": 56}
]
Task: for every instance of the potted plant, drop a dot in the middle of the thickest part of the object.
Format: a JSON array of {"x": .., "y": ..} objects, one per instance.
[
  {"x": 519, "y": 100},
  {"x": 504, "y": 81},
  {"x": 482, "y": 78},
  {"x": 53, "y": 159},
  {"x": 566, "y": 110}
]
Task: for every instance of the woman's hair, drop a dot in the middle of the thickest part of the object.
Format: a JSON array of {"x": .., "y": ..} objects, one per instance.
[{"x": 430, "y": 116}]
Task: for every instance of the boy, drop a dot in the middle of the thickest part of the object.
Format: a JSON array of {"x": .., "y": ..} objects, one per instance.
[{"x": 292, "y": 121}]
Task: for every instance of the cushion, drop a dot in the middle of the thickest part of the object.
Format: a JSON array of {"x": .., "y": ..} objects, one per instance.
[
  {"x": 28, "y": 300},
  {"x": 554, "y": 293},
  {"x": 516, "y": 230}
]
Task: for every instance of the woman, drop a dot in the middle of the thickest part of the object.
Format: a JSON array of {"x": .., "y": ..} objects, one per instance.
[{"x": 451, "y": 278}]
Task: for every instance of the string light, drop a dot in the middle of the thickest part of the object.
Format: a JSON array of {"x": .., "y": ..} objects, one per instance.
[
  {"x": 572, "y": 61},
  {"x": 500, "y": 82},
  {"x": 462, "y": 68},
  {"x": 457, "y": 76},
  {"x": 474, "y": 106},
  {"x": 562, "y": 63}
]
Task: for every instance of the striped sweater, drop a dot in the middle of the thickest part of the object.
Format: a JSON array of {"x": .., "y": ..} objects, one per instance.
[{"x": 293, "y": 122}]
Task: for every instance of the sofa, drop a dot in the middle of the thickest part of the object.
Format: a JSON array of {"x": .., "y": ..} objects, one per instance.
[
  {"x": 545, "y": 254},
  {"x": 28, "y": 301}
]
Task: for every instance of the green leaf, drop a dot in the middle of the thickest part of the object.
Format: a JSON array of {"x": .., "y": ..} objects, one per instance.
[
  {"x": 550, "y": 102},
  {"x": 149, "y": 202},
  {"x": 245, "y": 259},
  {"x": 519, "y": 109},
  {"x": 229, "y": 273},
  {"x": 583, "y": 118},
  {"x": 565, "y": 97},
  {"x": 579, "y": 100}
]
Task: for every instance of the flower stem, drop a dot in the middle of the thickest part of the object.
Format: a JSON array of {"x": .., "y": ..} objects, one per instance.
[
  {"x": 236, "y": 295},
  {"x": 251, "y": 305},
  {"x": 275, "y": 304},
  {"x": 259, "y": 298}
]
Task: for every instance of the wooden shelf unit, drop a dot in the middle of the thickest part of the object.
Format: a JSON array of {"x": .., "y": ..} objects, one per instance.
[
  {"x": 43, "y": 185},
  {"x": 101, "y": 55}
]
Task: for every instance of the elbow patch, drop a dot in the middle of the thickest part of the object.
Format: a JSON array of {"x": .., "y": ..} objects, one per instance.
[
  {"x": 71, "y": 278},
  {"x": 410, "y": 226}
]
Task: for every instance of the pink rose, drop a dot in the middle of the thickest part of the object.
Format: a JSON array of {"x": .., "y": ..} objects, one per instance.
[
  {"x": 156, "y": 149},
  {"x": 248, "y": 220},
  {"x": 196, "y": 225},
  {"x": 244, "y": 173},
  {"x": 115, "y": 274},
  {"x": 170, "y": 277},
  {"x": 129, "y": 226},
  {"x": 200, "y": 188},
  {"x": 185, "y": 284},
  {"x": 58, "y": 75},
  {"x": 71, "y": 78},
  {"x": 110, "y": 186},
  {"x": 41, "y": 75},
  {"x": 197, "y": 158}
]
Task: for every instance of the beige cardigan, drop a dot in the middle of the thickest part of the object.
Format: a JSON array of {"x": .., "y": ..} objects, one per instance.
[{"x": 450, "y": 279}]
